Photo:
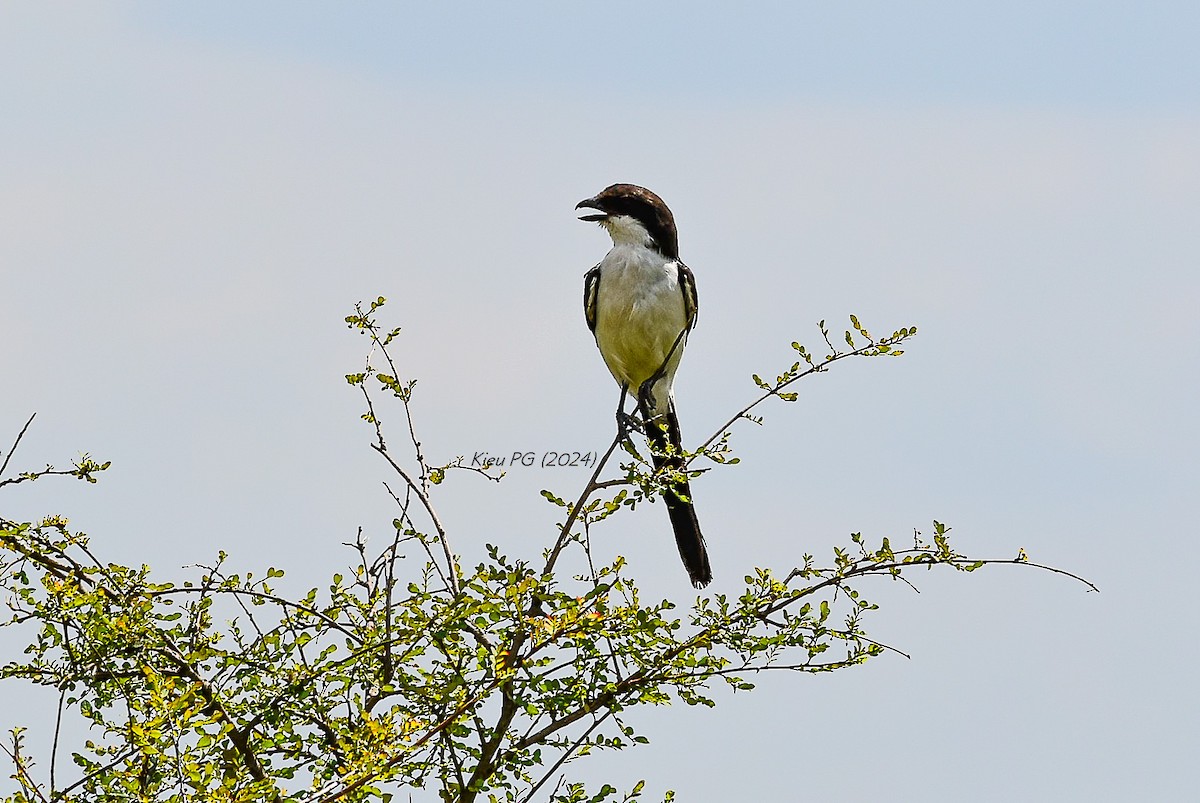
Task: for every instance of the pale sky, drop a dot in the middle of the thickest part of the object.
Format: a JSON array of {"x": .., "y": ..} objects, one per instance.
[{"x": 192, "y": 198}]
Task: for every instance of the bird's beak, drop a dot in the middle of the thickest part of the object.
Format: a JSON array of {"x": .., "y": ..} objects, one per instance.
[{"x": 591, "y": 203}]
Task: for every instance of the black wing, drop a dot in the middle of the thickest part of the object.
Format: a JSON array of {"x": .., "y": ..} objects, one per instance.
[
  {"x": 691, "y": 302},
  {"x": 591, "y": 286}
]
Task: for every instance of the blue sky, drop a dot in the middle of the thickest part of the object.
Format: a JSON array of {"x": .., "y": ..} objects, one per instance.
[
  {"x": 1085, "y": 55},
  {"x": 192, "y": 197}
]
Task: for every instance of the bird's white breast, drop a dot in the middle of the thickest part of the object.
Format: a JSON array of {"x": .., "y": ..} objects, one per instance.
[{"x": 640, "y": 313}]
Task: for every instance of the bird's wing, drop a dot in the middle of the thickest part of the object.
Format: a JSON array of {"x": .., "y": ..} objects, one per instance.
[
  {"x": 591, "y": 285},
  {"x": 691, "y": 303}
]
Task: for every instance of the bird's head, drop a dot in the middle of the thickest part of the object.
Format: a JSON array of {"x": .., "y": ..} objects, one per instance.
[{"x": 634, "y": 215}]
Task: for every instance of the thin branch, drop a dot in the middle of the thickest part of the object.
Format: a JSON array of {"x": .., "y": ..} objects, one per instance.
[
  {"x": 483, "y": 472},
  {"x": 412, "y": 432},
  {"x": 124, "y": 755},
  {"x": 62, "y": 695},
  {"x": 879, "y": 644},
  {"x": 567, "y": 753},
  {"x": 36, "y": 475},
  {"x": 404, "y": 517},
  {"x": 603, "y": 700},
  {"x": 22, "y": 776},
  {"x": 371, "y": 405},
  {"x": 1018, "y": 562},
  {"x": 437, "y": 522},
  {"x": 804, "y": 667},
  {"x": 597, "y": 486},
  {"x": 774, "y": 391},
  {"x": 246, "y": 592},
  {"x": 573, "y": 514},
  {"x": 16, "y": 443},
  {"x": 867, "y": 568},
  {"x": 389, "y": 582}
]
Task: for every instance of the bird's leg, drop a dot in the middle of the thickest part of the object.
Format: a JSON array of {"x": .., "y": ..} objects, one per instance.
[
  {"x": 646, "y": 393},
  {"x": 625, "y": 421}
]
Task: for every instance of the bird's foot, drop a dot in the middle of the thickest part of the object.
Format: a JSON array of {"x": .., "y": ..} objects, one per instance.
[{"x": 627, "y": 423}]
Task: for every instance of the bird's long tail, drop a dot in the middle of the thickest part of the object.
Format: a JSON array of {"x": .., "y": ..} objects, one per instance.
[{"x": 678, "y": 496}]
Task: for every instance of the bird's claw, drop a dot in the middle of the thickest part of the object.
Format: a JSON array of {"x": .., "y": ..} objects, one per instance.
[{"x": 626, "y": 423}]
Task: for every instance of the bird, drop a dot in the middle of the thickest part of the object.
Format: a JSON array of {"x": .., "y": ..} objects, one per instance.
[{"x": 640, "y": 304}]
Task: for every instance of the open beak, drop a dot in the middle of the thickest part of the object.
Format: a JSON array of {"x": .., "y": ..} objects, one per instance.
[{"x": 590, "y": 203}]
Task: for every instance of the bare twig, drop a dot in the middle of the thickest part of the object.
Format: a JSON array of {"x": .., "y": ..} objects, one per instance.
[
  {"x": 62, "y": 695},
  {"x": 404, "y": 517},
  {"x": 433, "y": 516},
  {"x": 1053, "y": 570},
  {"x": 774, "y": 391},
  {"x": 16, "y": 443},
  {"x": 577, "y": 508}
]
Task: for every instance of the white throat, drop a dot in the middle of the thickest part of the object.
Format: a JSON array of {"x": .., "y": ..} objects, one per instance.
[{"x": 626, "y": 230}]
